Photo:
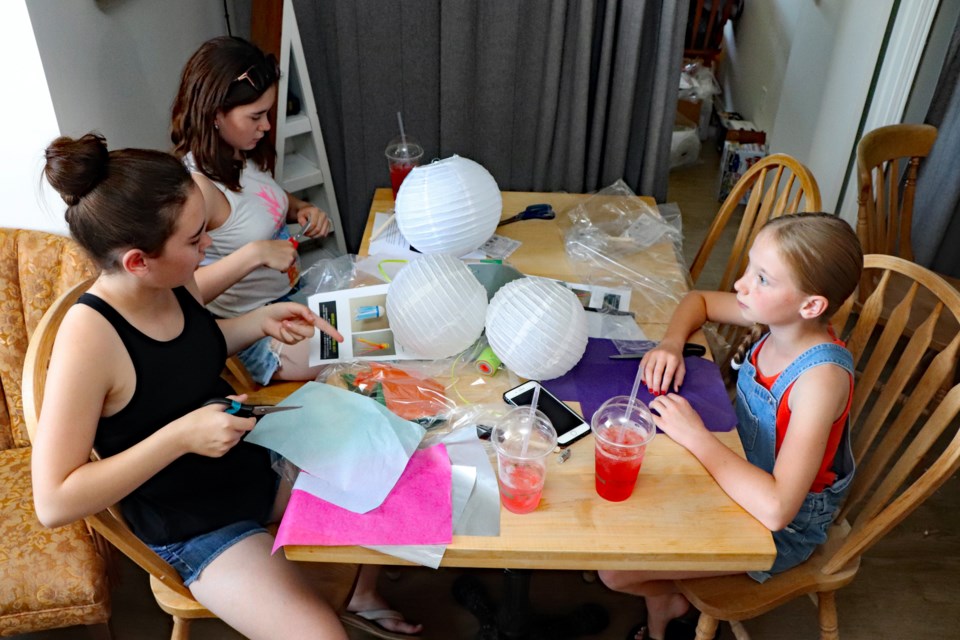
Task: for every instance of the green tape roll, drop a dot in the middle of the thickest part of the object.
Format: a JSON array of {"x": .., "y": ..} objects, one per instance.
[{"x": 488, "y": 362}]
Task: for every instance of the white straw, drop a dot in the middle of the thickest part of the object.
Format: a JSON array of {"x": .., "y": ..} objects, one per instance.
[
  {"x": 533, "y": 421},
  {"x": 403, "y": 135},
  {"x": 630, "y": 403}
]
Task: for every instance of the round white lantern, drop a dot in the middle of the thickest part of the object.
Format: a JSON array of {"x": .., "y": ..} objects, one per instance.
[
  {"x": 448, "y": 206},
  {"x": 537, "y": 327},
  {"x": 436, "y": 306}
]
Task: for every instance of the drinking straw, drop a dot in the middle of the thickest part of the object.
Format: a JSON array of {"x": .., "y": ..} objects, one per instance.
[
  {"x": 631, "y": 402},
  {"x": 403, "y": 136},
  {"x": 533, "y": 421}
]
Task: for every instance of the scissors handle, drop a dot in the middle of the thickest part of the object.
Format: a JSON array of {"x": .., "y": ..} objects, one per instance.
[
  {"x": 541, "y": 211},
  {"x": 242, "y": 410}
]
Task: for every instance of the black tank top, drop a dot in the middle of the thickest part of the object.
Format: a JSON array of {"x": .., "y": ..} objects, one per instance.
[{"x": 194, "y": 494}]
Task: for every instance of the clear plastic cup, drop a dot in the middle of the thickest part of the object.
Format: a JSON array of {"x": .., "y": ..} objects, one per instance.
[
  {"x": 621, "y": 439},
  {"x": 403, "y": 154},
  {"x": 522, "y": 443}
]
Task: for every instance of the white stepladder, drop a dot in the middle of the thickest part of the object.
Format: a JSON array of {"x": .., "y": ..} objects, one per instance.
[{"x": 302, "y": 167}]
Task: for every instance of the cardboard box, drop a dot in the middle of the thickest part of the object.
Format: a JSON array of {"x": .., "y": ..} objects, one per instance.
[
  {"x": 735, "y": 159},
  {"x": 733, "y": 128},
  {"x": 690, "y": 109}
]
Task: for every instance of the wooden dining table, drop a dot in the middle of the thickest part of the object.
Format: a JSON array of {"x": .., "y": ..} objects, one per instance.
[{"x": 678, "y": 518}]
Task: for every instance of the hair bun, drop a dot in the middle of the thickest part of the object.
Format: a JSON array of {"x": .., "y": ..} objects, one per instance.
[{"x": 75, "y": 166}]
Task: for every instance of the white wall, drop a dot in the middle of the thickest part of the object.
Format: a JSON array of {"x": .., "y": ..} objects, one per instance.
[
  {"x": 757, "y": 51},
  {"x": 31, "y": 124},
  {"x": 107, "y": 65},
  {"x": 831, "y": 49}
]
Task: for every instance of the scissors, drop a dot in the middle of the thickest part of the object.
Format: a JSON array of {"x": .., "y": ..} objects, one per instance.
[
  {"x": 689, "y": 349},
  {"x": 534, "y": 211},
  {"x": 241, "y": 410},
  {"x": 295, "y": 240}
]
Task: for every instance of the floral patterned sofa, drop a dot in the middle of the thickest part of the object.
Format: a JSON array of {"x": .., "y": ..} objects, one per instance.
[{"x": 49, "y": 578}]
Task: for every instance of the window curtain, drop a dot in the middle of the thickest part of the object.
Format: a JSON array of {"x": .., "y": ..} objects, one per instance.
[
  {"x": 935, "y": 233},
  {"x": 548, "y": 95}
]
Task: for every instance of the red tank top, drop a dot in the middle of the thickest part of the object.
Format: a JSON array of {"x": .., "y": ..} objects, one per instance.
[{"x": 825, "y": 476}]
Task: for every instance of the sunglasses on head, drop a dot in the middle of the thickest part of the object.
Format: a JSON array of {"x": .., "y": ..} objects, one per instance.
[{"x": 261, "y": 76}]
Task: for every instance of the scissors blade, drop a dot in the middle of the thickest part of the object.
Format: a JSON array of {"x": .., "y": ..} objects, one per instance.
[{"x": 262, "y": 410}]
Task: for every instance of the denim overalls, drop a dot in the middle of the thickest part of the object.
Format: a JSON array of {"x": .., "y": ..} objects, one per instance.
[{"x": 757, "y": 418}]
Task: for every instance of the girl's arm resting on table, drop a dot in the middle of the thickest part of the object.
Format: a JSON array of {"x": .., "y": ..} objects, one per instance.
[
  {"x": 288, "y": 322},
  {"x": 817, "y": 399},
  {"x": 663, "y": 365},
  {"x": 67, "y": 485}
]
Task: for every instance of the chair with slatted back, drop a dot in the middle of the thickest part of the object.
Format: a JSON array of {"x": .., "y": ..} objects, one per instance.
[
  {"x": 888, "y": 157},
  {"x": 171, "y": 594},
  {"x": 905, "y": 441},
  {"x": 775, "y": 185},
  {"x": 705, "y": 22}
]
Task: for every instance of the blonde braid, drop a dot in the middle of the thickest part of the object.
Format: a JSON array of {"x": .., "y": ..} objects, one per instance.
[{"x": 748, "y": 340}]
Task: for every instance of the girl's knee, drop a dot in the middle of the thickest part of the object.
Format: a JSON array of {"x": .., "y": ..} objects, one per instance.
[{"x": 615, "y": 580}]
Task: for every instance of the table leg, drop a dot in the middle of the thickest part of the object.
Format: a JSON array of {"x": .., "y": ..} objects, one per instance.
[{"x": 515, "y": 620}]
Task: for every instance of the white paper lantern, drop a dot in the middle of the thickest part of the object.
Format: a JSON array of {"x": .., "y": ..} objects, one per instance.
[
  {"x": 436, "y": 306},
  {"x": 537, "y": 327},
  {"x": 449, "y": 206}
]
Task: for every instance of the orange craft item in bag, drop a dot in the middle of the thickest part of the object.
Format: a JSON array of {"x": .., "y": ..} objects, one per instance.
[{"x": 407, "y": 396}]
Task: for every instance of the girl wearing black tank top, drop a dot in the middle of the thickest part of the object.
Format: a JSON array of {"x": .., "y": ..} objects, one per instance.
[{"x": 131, "y": 367}]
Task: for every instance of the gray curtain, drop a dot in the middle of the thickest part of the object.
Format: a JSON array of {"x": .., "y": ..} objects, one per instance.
[
  {"x": 548, "y": 95},
  {"x": 935, "y": 233}
]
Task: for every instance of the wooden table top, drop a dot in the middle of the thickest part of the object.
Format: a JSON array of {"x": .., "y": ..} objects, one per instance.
[{"x": 678, "y": 518}]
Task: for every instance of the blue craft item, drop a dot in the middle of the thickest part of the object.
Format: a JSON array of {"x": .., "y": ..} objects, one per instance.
[{"x": 597, "y": 378}]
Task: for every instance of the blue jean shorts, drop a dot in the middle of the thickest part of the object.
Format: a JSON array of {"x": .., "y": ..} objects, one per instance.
[
  {"x": 260, "y": 359},
  {"x": 192, "y": 556}
]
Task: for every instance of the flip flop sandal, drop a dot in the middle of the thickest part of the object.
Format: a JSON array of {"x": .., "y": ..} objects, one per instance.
[
  {"x": 368, "y": 621},
  {"x": 639, "y": 628}
]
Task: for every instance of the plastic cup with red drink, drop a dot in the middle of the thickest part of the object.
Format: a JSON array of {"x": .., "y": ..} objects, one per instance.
[
  {"x": 621, "y": 431},
  {"x": 403, "y": 154},
  {"x": 522, "y": 441}
]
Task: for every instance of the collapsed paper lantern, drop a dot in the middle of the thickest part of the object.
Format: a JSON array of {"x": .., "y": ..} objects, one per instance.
[
  {"x": 449, "y": 206},
  {"x": 537, "y": 327},
  {"x": 436, "y": 306}
]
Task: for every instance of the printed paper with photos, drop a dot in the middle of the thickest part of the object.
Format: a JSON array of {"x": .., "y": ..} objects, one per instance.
[{"x": 361, "y": 316}]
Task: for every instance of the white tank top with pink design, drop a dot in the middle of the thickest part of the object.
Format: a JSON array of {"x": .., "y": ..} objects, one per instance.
[{"x": 257, "y": 212}]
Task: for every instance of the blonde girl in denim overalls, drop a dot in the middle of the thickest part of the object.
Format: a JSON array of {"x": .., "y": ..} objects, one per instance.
[{"x": 794, "y": 392}]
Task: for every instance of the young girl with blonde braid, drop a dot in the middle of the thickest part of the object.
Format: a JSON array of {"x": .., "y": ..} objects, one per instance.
[{"x": 794, "y": 390}]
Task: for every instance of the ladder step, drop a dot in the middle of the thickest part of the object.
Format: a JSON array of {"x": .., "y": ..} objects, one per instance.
[
  {"x": 296, "y": 124},
  {"x": 299, "y": 173}
]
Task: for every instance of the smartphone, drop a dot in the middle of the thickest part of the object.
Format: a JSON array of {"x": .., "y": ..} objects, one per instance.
[{"x": 569, "y": 424}]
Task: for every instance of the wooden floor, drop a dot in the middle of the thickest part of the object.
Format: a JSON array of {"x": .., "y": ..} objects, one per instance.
[{"x": 908, "y": 586}]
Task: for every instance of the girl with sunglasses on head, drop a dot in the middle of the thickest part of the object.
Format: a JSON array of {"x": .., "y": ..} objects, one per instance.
[
  {"x": 133, "y": 363},
  {"x": 219, "y": 131},
  {"x": 794, "y": 390}
]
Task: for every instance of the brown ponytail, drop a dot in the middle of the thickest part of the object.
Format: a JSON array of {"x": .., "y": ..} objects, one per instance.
[{"x": 116, "y": 200}]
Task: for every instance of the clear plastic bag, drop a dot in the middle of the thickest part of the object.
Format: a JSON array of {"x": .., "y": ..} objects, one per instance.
[
  {"x": 427, "y": 392},
  {"x": 617, "y": 240}
]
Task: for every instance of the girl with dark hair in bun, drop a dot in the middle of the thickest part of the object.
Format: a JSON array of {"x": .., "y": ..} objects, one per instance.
[{"x": 133, "y": 362}]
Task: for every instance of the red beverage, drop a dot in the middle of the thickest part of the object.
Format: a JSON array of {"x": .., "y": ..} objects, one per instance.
[
  {"x": 397, "y": 173},
  {"x": 521, "y": 486},
  {"x": 617, "y": 467}
]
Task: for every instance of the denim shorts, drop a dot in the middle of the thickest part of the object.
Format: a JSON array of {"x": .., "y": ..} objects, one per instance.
[
  {"x": 260, "y": 359},
  {"x": 190, "y": 557},
  {"x": 798, "y": 540}
]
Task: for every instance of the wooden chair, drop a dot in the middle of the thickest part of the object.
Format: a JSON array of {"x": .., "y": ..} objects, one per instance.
[
  {"x": 167, "y": 586},
  {"x": 885, "y": 157},
  {"x": 49, "y": 578},
  {"x": 705, "y": 22},
  {"x": 905, "y": 441},
  {"x": 777, "y": 185}
]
